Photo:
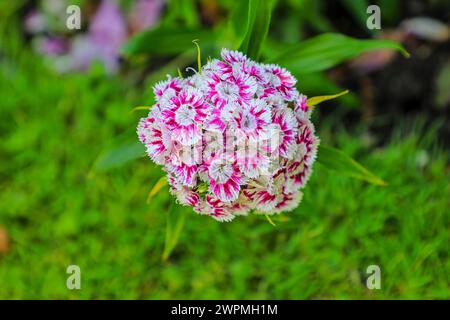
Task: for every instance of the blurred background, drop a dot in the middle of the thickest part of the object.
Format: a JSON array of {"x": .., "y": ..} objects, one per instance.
[{"x": 72, "y": 192}]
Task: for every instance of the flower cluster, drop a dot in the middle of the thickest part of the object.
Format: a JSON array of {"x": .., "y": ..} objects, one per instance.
[{"x": 234, "y": 138}]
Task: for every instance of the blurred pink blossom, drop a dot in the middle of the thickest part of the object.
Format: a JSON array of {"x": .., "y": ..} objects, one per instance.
[
  {"x": 106, "y": 34},
  {"x": 35, "y": 22},
  {"x": 107, "y": 31},
  {"x": 145, "y": 14},
  {"x": 51, "y": 45}
]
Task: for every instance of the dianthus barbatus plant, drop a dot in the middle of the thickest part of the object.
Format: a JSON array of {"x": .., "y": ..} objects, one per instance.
[{"x": 234, "y": 138}]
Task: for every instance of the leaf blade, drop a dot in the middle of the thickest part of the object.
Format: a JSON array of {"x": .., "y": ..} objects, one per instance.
[
  {"x": 118, "y": 156},
  {"x": 314, "y": 101},
  {"x": 161, "y": 183},
  {"x": 258, "y": 22},
  {"x": 174, "y": 227},
  {"x": 337, "y": 160},
  {"x": 328, "y": 50}
]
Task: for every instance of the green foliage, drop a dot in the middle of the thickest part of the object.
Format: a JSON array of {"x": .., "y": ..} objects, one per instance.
[
  {"x": 328, "y": 50},
  {"x": 258, "y": 22},
  {"x": 357, "y": 8},
  {"x": 174, "y": 227},
  {"x": 119, "y": 156},
  {"x": 310, "y": 56},
  {"x": 182, "y": 11},
  {"x": 167, "y": 41},
  {"x": 56, "y": 214},
  {"x": 337, "y": 160}
]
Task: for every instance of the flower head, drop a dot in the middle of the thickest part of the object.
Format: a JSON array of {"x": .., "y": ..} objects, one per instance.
[{"x": 233, "y": 139}]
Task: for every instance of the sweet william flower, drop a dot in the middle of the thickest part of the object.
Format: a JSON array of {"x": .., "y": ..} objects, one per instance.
[
  {"x": 281, "y": 80},
  {"x": 183, "y": 114},
  {"x": 165, "y": 90},
  {"x": 253, "y": 119},
  {"x": 225, "y": 178},
  {"x": 238, "y": 89},
  {"x": 234, "y": 138},
  {"x": 154, "y": 136},
  {"x": 284, "y": 129}
]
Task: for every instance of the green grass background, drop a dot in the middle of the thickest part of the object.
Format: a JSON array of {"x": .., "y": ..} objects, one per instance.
[{"x": 58, "y": 210}]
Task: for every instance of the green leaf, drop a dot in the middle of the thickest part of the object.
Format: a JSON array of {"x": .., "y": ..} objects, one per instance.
[
  {"x": 167, "y": 41},
  {"x": 161, "y": 183},
  {"x": 174, "y": 226},
  {"x": 181, "y": 12},
  {"x": 119, "y": 156},
  {"x": 337, "y": 160},
  {"x": 138, "y": 108},
  {"x": 270, "y": 220},
  {"x": 258, "y": 22},
  {"x": 311, "y": 102},
  {"x": 312, "y": 13},
  {"x": 318, "y": 83},
  {"x": 358, "y": 8},
  {"x": 327, "y": 50},
  {"x": 238, "y": 19}
]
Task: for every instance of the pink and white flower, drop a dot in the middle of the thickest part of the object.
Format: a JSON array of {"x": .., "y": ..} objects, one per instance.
[
  {"x": 301, "y": 167},
  {"x": 283, "y": 131},
  {"x": 261, "y": 197},
  {"x": 166, "y": 90},
  {"x": 252, "y": 119},
  {"x": 233, "y": 64},
  {"x": 251, "y": 158},
  {"x": 222, "y": 117},
  {"x": 234, "y": 138},
  {"x": 231, "y": 57},
  {"x": 150, "y": 133},
  {"x": 230, "y": 90},
  {"x": 186, "y": 196},
  {"x": 289, "y": 202},
  {"x": 215, "y": 208},
  {"x": 184, "y": 114},
  {"x": 282, "y": 80},
  {"x": 187, "y": 174},
  {"x": 301, "y": 109},
  {"x": 225, "y": 178}
]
